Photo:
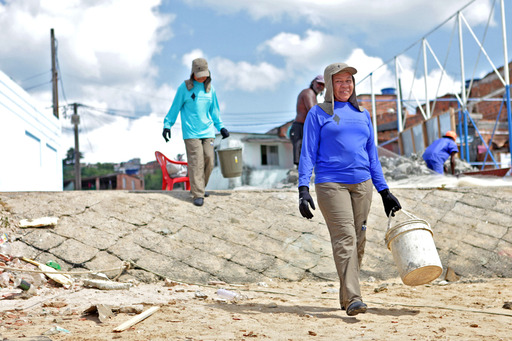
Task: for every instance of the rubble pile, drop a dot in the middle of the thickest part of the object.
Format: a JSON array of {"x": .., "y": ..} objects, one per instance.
[
  {"x": 395, "y": 167},
  {"x": 19, "y": 284}
]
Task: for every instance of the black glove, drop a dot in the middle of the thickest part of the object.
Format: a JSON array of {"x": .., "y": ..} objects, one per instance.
[
  {"x": 167, "y": 134},
  {"x": 224, "y": 132},
  {"x": 304, "y": 200},
  {"x": 391, "y": 204}
]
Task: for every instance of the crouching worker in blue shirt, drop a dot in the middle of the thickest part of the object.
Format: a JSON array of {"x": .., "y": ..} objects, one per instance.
[
  {"x": 339, "y": 145},
  {"x": 439, "y": 151}
]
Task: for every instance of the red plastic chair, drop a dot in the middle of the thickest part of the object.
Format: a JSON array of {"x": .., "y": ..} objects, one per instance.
[{"x": 167, "y": 181}]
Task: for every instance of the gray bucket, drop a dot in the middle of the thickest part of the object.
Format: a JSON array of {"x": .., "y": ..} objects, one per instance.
[
  {"x": 230, "y": 162},
  {"x": 414, "y": 252}
]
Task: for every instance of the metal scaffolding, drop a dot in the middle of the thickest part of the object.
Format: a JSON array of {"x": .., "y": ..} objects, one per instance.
[{"x": 463, "y": 98}]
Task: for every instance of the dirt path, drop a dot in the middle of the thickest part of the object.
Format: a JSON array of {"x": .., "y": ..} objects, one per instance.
[{"x": 465, "y": 310}]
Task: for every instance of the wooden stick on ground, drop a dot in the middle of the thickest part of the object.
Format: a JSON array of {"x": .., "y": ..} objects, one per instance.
[
  {"x": 65, "y": 280},
  {"x": 136, "y": 319}
]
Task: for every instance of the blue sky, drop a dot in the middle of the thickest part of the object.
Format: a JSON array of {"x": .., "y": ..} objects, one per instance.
[{"x": 124, "y": 59}]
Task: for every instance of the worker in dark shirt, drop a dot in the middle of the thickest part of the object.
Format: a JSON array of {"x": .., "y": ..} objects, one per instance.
[{"x": 305, "y": 101}]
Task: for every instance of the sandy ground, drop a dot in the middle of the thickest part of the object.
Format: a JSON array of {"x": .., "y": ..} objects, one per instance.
[
  {"x": 464, "y": 309},
  {"x": 469, "y": 309}
]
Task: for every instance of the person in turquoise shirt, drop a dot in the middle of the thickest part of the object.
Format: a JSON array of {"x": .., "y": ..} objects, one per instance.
[{"x": 196, "y": 99}]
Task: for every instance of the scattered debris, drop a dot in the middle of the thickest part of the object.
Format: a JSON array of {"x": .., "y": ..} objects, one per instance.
[
  {"x": 55, "y": 304},
  {"x": 65, "y": 280},
  {"x": 200, "y": 295},
  {"x": 53, "y": 264},
  {"x": 170, "y": 283},
  {"x": 330, "y": 291},
  {"x": 39, "y": 222},
  {"x": 451, "y": 276},
  {"x": 231, "y": 295},
  {"x": 56, "y": 330},
  {"x": 507, "y": 305},
  {"x": 382, "y": 287},
  {"x": 136, "y": 319},
  {"x": 217, "y": 283},
  {"x": 130, "y": 309},
  {"x": 104, "y": 311},
  {"x": 250, "y": 334},
  {"x": 106, "y": 285}
]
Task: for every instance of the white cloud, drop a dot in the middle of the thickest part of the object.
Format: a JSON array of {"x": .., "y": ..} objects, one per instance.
[
  {"x": 306, "y": 54},
  {"x": 187, "y": 58},
  {"x": 245, "y": 76},
  {"x": 412, "y": 81},
  {"x": 107, "y": 51},
  {"x": 122, "y": 139},
  {"x": 350, "y": 16},
  {"x": 108, "y": 41}
]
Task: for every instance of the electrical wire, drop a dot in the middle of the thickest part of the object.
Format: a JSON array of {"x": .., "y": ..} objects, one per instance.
[
  {"x": 124, "y": 90},
  {"x": 38, "y": 85},
  {"x": 37, "y": 75},
  {"x": 59, "y": 72}
]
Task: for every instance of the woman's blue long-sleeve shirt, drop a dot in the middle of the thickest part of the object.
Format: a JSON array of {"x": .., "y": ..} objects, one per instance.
[
  {"x": 199, "y": 112},
  {"x": 340, "y": 148}
]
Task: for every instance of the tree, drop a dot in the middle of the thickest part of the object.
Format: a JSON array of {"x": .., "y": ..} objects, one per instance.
[
  {"x": 70, "y": 157},
  {"x": 153, "y": 181}
]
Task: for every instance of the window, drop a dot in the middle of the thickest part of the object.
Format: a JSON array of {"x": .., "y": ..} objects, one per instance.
[{"x": 269, "y": 156}]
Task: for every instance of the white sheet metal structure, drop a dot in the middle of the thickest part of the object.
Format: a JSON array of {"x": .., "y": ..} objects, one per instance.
[
  {"x": 30, "y": 142},
  {"x": 425, "y": 49}
]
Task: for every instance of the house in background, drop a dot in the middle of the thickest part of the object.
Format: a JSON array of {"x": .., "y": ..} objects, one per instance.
[
  {"x": 30, "y": 140},
  {"x": 116, "y": 181},
  {"x": 267, "y": 159}
]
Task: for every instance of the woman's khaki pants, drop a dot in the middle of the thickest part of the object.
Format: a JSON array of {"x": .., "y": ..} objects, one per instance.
[
  {"x": 345, "y": 209},
  {"x": 200, "y": 159}
]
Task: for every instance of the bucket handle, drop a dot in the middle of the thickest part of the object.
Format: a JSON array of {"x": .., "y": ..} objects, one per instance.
[{"x": 409, "y": 214}]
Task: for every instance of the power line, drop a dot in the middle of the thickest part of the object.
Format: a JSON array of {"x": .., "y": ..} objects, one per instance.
[
  {"x": 59, "y": 72},
  {"x": 125, "y": 90},
  {"x": 38, "y": 85},
  {"x": 36, "y": 75},
  {"x": 117, "y": 112}
]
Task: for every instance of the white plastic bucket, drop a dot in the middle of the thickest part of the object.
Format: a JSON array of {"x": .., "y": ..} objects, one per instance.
[{"x": 414, "y": 252}]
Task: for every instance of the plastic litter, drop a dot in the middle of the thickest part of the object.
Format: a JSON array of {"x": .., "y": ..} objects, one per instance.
[
  {"x": 53, "y": 264},
  {"x": 231, "y": 295},
  {"x": 5, "y": 248},
  {"x": 25, "y": 286}
]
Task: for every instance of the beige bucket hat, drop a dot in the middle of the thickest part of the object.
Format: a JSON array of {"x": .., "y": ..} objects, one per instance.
[
  {"x": 332, "y": 69},
  {"x": 199, "y": 69}
]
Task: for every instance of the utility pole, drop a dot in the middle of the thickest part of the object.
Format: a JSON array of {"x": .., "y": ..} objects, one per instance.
[
  {"x": 55, "y": 91},
  {"x": 75, "y": 119}
]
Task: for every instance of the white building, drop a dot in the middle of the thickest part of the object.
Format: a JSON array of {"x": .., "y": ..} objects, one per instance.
[
  {"x": 267, "y": 159},
  {"x": 30, "y": 142}
]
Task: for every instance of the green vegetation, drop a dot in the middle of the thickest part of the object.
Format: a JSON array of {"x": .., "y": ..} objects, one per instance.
[
  {"x": 153, "y": 181},
  {"x": 98, "y": 169},
  {"x": 68, "y": 167}
]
